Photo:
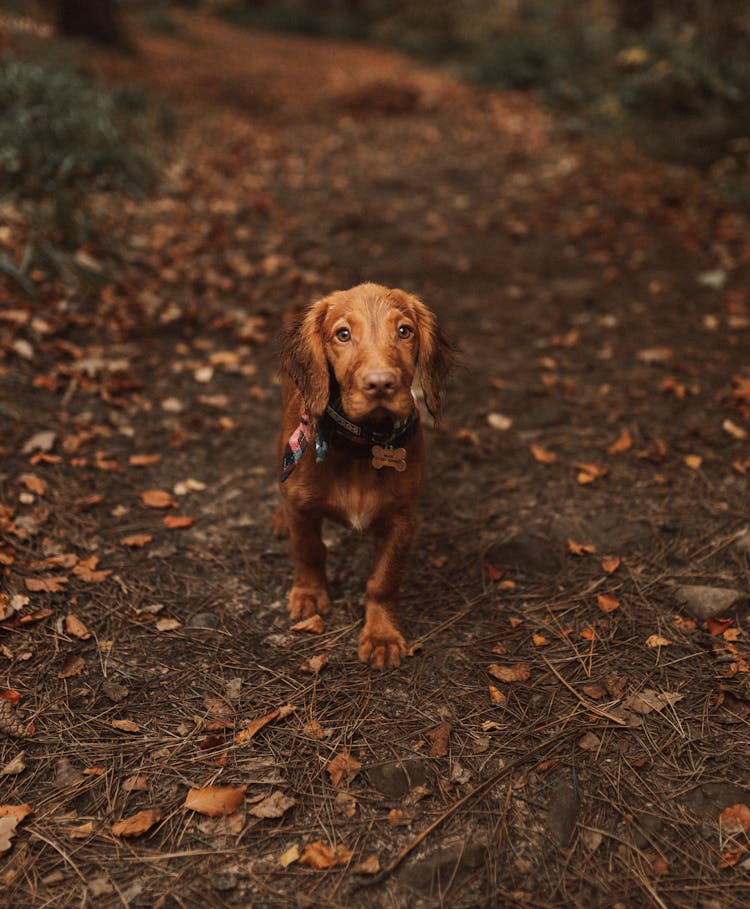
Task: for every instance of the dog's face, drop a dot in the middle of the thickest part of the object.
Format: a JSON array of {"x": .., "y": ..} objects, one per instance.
[{"x": 371, "y": 340}]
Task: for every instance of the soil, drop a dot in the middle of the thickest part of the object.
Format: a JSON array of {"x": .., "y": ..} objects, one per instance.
[{"x": 566, "y": 731}]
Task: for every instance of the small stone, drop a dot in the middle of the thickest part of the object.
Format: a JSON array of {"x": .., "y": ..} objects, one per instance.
[
  {"x": 445, "y": 866},
  {"x": 394, "y": 780},
  {"x": 563, "y": 812},
  {"x": 704, "y": 602},
  {"x": 203, "y": 620}
]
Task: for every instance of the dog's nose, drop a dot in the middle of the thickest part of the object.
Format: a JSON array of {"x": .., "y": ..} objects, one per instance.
[{"x": 378, "y": 384}]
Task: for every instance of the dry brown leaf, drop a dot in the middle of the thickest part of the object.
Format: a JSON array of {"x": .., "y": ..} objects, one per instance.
[
  {"x": 318, "y": 855},
  {"x": 15, "y": 766},
  {"x": 126, "y": 726},
  {"x": 493, "y": 573},
  {"x": 143, "y": 460},
  {"x": 730, "y": 858},
  {"x": 343, "y": 768},
  {"x": 588, "y": 634},
  {"x": 314, "y": 730},
  {"x": 138, "y": 823},
  {"x": 496, "y": 695},
  {"x": 588, "y": 472},
  {"x": 86, "y": 570},
  {"x": 370, "y": 865},
  {"x": 158, "y": 498},
  {"x": 519, "y": 672},
  {"x": 74, "y": 626},
  {"x": 539, "y": 640},
  {"x": 716, "y": 626},
  {"x": 315, "y": 663},
  {"x": 178, "y": 521},
  {"x": 72, "y": 665},
  {"x": 276, "y": 805},
  {"x": 167, "y": 624},
  {"x": 245, "y": 735},
  {"x": 611, "y": 564},
  {"x": 656, "y": 640},
  {"x": 34, "y": 483},
  {"x": 19, "y": 812},
  {"x": 543, "y": 455},
  {"x": 607, "y": 603},
  {"x": 215, "y": 801},
  {"x": 313, "y": 624},
  {"x": 45, "y": 585},
  {"x": 693, "y": 461},
  {"x": 136, "y": 540},
  {"x": 735, "y": 431},
  {"x": 82, "y": 832},
  {"x": 289, "y": 856},
  {"x": 580, "y": 549},
  {"x": 7, "y": 832},
  {"x": 136, "y": 783},
  {"x": 735, "y": 819},
  {"x": 622, "y": 444},
  {"x": 440, "y": 738}
]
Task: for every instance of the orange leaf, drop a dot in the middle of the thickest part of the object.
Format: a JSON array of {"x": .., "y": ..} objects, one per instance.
[
  {"x": 717, "y": 626},
  {"x": 607, "y": 603},
  {"x": 735, "y": 819},
  {"x": 45, "y": 585},
  {"x": 581, "y": 549},
  {"x": 611, "y": 564},
  {"x": 543, "y": 455},
  {"x": 313, "y": 624},
  {"x": 19, "y": 812},
  {"x": 34, "y": 483},
  {"x": 72, "y": 665},
  {"x": 520, "y": 672},
  {"x": 588, "y": 634},
  {"x": 143, "y": 460},
  {"x": 440, "y": 737},
  {"x": 138, "y": 823},
  {"x": 693, "y": 461},
  {"x": 158, "y": 498},
  {"x": 215, "y": 801},
  {"x": 539, "y": 640},
  {"x": 178, "y": 521},
  {"x": 343, "y": 768},
  {"x": 126, "y": 726},
  {"x": 318, "y": 855},
  {"x": 589, "y": 472},
  {"x": 136, "y": 540},
  {"x": 85, "y": 570},
  {"x": 254, "y": 726},
  {"x": 493, "y": 573},
  {"x": 74, "y": 626},
  {"x": 622, "y": 444}
]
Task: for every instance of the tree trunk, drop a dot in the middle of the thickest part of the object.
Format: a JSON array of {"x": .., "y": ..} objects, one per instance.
[{"x": 98, "y": 20}]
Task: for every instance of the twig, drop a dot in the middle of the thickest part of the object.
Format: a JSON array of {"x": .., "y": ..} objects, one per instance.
[
  {"x": 582, "y": 700},
  {"x": 452, "y": 809}
]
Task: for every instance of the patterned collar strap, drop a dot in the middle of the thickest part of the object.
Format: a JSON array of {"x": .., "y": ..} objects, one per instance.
[{"x": 334, "y": 426}]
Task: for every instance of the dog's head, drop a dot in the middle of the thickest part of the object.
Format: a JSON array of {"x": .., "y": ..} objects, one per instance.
[{"x": 370, "y": 341}]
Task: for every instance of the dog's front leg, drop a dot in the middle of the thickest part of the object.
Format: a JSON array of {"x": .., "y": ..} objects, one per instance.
[
  {"x": 381, "y": 643},
  {"x": 309, "y": 593}
]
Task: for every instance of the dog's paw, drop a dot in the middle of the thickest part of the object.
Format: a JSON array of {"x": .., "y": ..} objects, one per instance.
[
  {"x": 381, "y": 644},
  {"x": 306, "y": 601}
]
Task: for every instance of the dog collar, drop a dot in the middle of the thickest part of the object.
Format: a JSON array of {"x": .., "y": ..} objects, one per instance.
[{"x": 384, "y": 447}]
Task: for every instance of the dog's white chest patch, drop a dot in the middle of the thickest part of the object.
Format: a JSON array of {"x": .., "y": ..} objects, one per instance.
[{"x": 359, "y": 506}]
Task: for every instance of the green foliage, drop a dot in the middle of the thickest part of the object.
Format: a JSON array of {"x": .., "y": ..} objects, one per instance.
[{"x": 59, "y": 132}]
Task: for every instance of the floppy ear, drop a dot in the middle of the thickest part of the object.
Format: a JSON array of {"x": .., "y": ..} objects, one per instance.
[
  {"x": 303, "y": 358},
  {"x": 436, "y": 357}
]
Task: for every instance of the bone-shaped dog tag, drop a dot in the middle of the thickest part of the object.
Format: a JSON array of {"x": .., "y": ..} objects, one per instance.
[{"x": 389, "y": 457}]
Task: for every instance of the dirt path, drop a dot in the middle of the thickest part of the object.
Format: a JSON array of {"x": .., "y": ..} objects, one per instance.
[{"x": 591, "y": 472}]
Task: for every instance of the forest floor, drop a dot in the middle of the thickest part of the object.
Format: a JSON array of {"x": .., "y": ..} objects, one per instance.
[{"x": 573, "y": 725}]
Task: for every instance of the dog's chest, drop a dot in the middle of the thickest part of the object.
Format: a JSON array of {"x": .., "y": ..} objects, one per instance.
[{"x": 356, "y": 504}]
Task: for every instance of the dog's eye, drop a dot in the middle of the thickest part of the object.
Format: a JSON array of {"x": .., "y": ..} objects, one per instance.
[
  {"x": 343, "y": 335},
  {"x": 405, "y": 331}
]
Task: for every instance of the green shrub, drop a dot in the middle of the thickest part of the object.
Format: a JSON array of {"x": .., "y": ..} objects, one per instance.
[{"x": 59, "y": 132}]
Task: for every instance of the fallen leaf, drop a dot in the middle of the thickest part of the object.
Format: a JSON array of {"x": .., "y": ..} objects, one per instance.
[
  {"x": 730, "y": 858},
  {"x": 126, "y": 726},
  {"x": 648, "y": 700},
  {"x": 622, "y": 444},
  {"x": 74, "y": 626},
  {"x": 215, "y": 801},
  {"x": 86, "y": 570},
  {"x": 607, "y": 603},
  {"x": 693, "y": 461},
  {"x": 158, "y": 498},
  {"x": 735, "y": 819},
  {"x": 588, "y": 634},
  {"x": 19, "y": 812},
  {"x": 33, "y": 483},
  {"x": 543, "y": 455},
  {"x": 539, "y": 640},
  {"x": 136, "y": 783},
  {"x": 313, "y": 624},
  {"x": 136, "y": 540},
  {"x": 72, "y": 665},
  {"x": 7, "y": 832},
  {"x": 715, "y": 626},
  {"x": 138, "y": 823},
  {"x": 611, "y": 564},
  {"x": 493, "y": 573},
  {"x": 289, "y": 856},
  {"x": 143, "y": 460},
  {"x": 735, "y": 431},
  {"x": 254, "y": 726},
  {"x": 656, "y": 640},
  {"x": 580, "y": 549},
  {"x": 45, "y": 585},
  {"x": 167, "y": 624},
  {"x": 276, "y": 805},
  {"x": 370, "y": 865},
  {"x": 178, "y": 521},
  {"x": 315, "y": 663},
  {"x": 496, "y": 695},
  {"x": 399, "y": 817},
  {"x": 520, "y": 672},
  {"x": 588, "y": 472},
  {"x": 343, "y": 768},
  {"x": 15, "y": 766},
  {"x": 440, "y": 737},
  {"x": 82, "y": 832},
  {"x": 318, "y": 855}
]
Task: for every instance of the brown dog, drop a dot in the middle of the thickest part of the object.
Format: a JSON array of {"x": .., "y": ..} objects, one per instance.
[{"x": 351, "y": 444}]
